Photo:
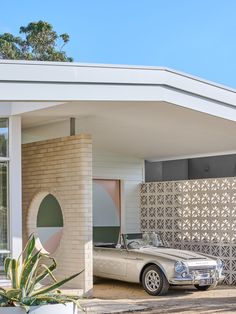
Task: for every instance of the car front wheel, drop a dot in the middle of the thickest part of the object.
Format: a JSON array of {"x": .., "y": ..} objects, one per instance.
[{"x": 154, "y": 281}]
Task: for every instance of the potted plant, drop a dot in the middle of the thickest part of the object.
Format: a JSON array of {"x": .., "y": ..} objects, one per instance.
[{"x": 27, "y": 294}]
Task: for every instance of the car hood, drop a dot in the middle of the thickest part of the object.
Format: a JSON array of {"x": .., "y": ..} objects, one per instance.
[{"x": 173, "y": 254}]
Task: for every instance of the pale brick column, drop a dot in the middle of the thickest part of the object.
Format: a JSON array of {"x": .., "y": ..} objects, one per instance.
[{"x": 63, "y": 167}]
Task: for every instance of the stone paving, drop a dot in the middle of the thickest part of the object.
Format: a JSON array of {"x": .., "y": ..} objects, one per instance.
[{"x": 119, "y": 297}]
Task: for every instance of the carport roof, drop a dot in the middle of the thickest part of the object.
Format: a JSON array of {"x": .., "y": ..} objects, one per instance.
[
  {"x": 35, "y": 81},
  {"x": 151, "y": 112}
]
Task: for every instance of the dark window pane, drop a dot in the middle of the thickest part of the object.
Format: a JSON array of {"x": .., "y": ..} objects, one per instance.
[
  {"x": 3, "y": 137},
  {"x": 2, "y": 258}
]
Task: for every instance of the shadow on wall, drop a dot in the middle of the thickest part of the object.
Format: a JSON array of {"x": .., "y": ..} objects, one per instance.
[{"x": 189, "y": 169}]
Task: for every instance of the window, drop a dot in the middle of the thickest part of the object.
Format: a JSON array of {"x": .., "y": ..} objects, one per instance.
[
  {"x": 50, "y": 223},
  {"x": 4, "y": 204},
  {"x": 3, "y": 137}
]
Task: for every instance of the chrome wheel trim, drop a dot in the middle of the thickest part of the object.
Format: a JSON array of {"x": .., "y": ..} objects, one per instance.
[{"x": 152, "y": 280}]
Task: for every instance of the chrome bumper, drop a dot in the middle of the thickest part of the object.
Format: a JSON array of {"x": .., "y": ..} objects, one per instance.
[{"x": 195, "y": 280}]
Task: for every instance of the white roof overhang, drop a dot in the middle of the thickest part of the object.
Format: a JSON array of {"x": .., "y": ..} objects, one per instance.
[
  {"x": 151, "y": 113},
  {"x": 45, "y": 84}
]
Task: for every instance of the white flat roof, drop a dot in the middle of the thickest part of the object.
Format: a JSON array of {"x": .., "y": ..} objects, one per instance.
[
  {"x": 151, "y": 112},
  {"x": 35, "y": 81},
  {"x": 105, "y": 66},
  {"x": 27, "y": 66}
]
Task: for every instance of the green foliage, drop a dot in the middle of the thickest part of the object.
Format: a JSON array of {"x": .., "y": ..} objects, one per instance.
[
  {"x": 39, "y": 42},
  {"x": 25, "y": 279}
]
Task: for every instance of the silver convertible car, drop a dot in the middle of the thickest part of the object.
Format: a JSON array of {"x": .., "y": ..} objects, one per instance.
[{"x": 144, "y": 258}]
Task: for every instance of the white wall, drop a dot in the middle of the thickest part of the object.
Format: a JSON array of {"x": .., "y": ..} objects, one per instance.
[
  {"x": 46, "y": 131},
  {"x": 106, "y": 165}
]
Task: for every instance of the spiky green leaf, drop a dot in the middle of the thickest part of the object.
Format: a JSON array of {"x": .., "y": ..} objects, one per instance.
[
  {"x": 30, "y": 246},
  {"x": 36, "y": 266},
  {"x": 7, "y": 268},
  {"x": 55, "y": 285},
  {"x": 13, "y": 294},
  {"x": 14, "y": 273},
  {"x": 28, "y": 267},
  {"x": 31, "y": 278},
  {"x": 47, "y": 271}
]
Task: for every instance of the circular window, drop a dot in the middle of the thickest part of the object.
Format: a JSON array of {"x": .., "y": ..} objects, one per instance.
[{"x": 50, "y": 223}]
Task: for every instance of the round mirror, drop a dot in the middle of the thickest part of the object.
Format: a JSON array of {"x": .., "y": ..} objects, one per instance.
[{"x": 50, "y": 223}]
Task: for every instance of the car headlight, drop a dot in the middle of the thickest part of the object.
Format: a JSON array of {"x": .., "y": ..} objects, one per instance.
[
  {"x": 220, "y": 264},
  {"x": 180, "y": 267}
]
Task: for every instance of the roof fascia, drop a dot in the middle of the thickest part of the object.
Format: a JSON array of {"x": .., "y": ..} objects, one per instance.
[
  {"x": 63, "y": 82},
  {"x": 54, "y": 95},
  {"x": 67, "y": 73}
]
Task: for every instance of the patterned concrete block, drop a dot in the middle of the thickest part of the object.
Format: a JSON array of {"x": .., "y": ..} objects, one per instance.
[{"x": 198, "y": 215}]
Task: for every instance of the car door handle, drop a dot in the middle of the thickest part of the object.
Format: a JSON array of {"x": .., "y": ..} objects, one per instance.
[{"x": 134, "y": 258}]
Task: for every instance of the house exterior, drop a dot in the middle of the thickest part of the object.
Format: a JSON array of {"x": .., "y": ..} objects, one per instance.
[{"x": 67, "y": 127}]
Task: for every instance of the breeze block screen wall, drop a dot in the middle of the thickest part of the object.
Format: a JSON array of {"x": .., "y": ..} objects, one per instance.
[
  {"x": 62, "y": 168},
  {"x": 197, "y": 215}
]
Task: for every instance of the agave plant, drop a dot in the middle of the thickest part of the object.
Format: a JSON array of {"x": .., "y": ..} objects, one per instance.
[{"x": 26, "y": 289}]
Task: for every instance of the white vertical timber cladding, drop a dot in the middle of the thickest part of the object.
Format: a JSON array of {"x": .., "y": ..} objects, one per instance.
[
  {"x": 130, "y": 171},
  {"x": 15, "y": 185},
  {"x": 106, "y": 165}
]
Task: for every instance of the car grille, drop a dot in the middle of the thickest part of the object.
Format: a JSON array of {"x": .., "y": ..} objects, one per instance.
[{"x": 202, "y": 271}]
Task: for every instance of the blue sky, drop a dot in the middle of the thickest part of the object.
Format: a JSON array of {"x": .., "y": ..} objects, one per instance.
[{"x": 194, "y": 36}]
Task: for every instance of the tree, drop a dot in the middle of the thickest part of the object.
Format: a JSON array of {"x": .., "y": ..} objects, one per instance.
[{"x": 39, "y": 42}]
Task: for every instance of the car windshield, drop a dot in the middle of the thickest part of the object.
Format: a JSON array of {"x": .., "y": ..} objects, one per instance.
[{"x": 139, "y": 240}]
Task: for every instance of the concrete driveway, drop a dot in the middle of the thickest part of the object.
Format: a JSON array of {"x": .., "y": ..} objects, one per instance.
[{"x": 119, "y": 297}]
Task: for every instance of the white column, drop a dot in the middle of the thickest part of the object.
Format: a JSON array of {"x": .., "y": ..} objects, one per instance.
[
  {"x": 123, "y": 221},
  {"x": 15, "y": 186}
]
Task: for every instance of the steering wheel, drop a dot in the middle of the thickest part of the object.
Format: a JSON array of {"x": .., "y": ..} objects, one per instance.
[{"x": 132, "y": 242}]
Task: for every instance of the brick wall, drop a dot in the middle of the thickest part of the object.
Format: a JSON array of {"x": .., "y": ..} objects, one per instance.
[{"x": 63, "y": 167}]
